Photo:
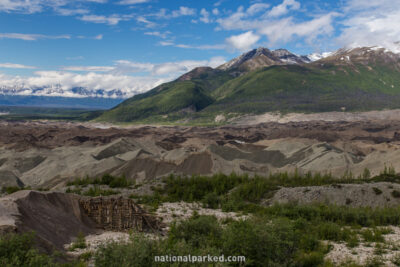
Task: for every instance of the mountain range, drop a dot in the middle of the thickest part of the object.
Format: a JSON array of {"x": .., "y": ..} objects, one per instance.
[{"x": 261, "y": 80}]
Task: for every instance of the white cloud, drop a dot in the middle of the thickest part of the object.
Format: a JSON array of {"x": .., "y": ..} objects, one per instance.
[
  {"x": 108, "y": 78},
  {"x": 182, "y": 11},
  {"x": 132, "y": 2},
  {"x": 65, "y": 81},
  {"x": 149, "y": 24},
  {"x": 278, "y": 30},
  {"x": 34, "y": 6},
  {"x": 99, "y": 37},
  {"x": 199, "y": 47},
  {"x": 32, "y": 37},
  {"x": 215, "y": 11},
  {"x": 284, "y": 8},
  {"x": 162, "y": 35},
  {"x": 256, "y": 8},
  {"x": 284, "y": 30},
  {"x": 88, "y": 68},
  {"x": 110, "y": 20},
  {"x": 15, "y": 66},
  {"x": 205, "y": 16},
  {"x": 370, "y": 23},
  {"x": 71, "y": 12},
  {"x": 243, "y": 41}
]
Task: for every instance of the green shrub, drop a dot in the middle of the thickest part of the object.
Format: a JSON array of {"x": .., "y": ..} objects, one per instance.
[
  {"x": 19, "y": 250},
  {"x": 264, "y": 243},
  {"x": 140, "y": 251},
  {"x": 96, "y": 191},
  {"x": 377, "y": 190},
  {"x": 80, "y": 242},
  {"x": 197, "y": 231},
  {"x": 211, "y": 200},
  {"x": 106, "y": 179},
  {"x": 396, "y": 194},
  {"x": 374, "y": 235}
]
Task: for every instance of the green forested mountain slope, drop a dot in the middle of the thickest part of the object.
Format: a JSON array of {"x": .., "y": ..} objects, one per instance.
[{"x": 356, "y": 79}]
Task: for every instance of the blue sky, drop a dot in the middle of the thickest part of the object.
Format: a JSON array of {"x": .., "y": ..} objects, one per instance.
[{"x": 134, "y": 45}]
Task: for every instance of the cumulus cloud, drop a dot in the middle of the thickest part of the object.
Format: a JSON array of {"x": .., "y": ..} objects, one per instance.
[
  {"x": 162, "y": 35},
  {"x": 182, "y": 11},
  {"x": 71, "y": 12},
  {"x": 370, "y": 23},
  {"x": 110, "y": 20},
  {"x": 65, "y": 81},
  {"x": 284, "y": 8},
  {"x": 273, "y": 25},
  {"x": 205, "y": 16},
  {"x": 108, "y": 78},
  {"x": 256, "y": 8},
  {"x": 286, "y": 29},
  {"x": 243, "y": 41}
]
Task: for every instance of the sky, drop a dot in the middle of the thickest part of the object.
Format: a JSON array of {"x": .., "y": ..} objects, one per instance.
[{"x": 135, "y": 45}]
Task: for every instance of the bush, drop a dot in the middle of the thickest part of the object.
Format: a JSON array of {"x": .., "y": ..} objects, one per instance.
[
  {"x": 79, "y": 243},
  {"x": 377, "y": 190},
  {"x": 11, "y": 189},
  {"x": 106, "y": 179},
  {"x": 264, "y": 243},
  {"x": 396, "y": 194},
  {"x": 19, "y": 250},
  {"x": 211, "y": 200},
  {"x": 140, "y": 251},
  {"x": 96, "y": 191},
  {"x": 197, "y": 231}
]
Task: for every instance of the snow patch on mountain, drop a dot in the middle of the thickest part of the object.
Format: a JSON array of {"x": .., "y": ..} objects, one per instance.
[{"x": 317, "y": 56}]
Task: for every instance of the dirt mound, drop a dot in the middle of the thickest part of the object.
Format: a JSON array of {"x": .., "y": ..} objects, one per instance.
[
  {"x": 56, "y": 218},
  {"x": 149, "y": 168},
  {"x": 8, "y": 178},
  {"x": 26, "y": 164},
  {"x": 114, "y": 149},
  {"x": 355, "y": 195},
  {"x": 47, "y": 154}
]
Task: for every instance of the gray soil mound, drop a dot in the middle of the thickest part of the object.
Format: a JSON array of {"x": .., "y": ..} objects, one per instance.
[
  {"x": 117, "y": 148},
  {"x": 151, "y": 168},
  {"x": 7, "y": 179},
  {"x": 56, "y": 218},
  {"x": 355, "y": 195},
  {"x": 26, "y": 164},
  {"x": 46, "y": 155}
]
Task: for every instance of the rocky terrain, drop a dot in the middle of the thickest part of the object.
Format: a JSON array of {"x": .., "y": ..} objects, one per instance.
[
  {"x": 50, "y": 156},
  {"x": 47, "y": 155}
]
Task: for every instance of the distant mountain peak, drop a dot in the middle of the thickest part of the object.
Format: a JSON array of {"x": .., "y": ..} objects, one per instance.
[
  {"x": 363, "y": 56},
  {"x": 263, "y": 57}
]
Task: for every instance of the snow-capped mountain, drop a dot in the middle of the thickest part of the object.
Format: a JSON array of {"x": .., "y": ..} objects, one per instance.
[
  {"x": 59, "y": 90},
  {"x": 317, "y": 56},
  {"x": 263, "y": 57}
]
